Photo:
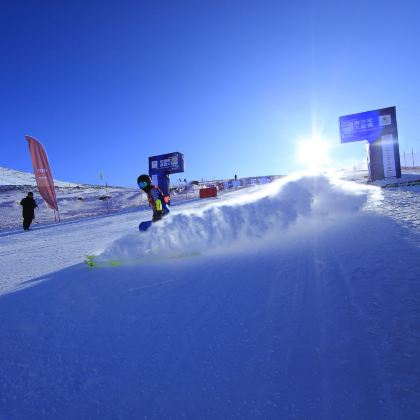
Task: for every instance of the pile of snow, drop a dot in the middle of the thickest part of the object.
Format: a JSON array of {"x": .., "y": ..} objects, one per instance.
[{"x": 266, "y": 214}]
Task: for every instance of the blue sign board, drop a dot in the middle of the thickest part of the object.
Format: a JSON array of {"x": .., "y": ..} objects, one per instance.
[
  {"x": 379, "y": 129},
  {"x": 169, "y": 163},
  {"x": 368, "y": 126}
]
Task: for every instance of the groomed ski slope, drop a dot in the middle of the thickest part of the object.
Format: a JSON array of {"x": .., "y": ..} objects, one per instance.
[{"x": 301, "y": 300}]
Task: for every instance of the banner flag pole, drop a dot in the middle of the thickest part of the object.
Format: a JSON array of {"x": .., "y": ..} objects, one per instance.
[{"x": 42, "y": 172}]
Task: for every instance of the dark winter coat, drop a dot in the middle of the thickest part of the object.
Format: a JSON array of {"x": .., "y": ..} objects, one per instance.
[{"x": 28, "y": 207}]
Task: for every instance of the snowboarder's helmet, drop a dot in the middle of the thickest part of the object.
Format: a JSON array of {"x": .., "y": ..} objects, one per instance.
[{"x": 143, "y": 181}]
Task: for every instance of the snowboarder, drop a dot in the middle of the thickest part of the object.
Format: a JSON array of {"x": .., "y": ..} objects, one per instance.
[
  {"x": 28, "y": 210},
  {"x": 155, "y": 196}
]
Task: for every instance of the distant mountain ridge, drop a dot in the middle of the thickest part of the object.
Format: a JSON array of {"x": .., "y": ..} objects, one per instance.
[{"x": 14, "y": 177}]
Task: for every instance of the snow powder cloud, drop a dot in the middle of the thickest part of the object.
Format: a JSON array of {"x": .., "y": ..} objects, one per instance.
[{"x": 265, "y": 214}]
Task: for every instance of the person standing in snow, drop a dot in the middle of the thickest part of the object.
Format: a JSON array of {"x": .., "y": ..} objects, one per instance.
[
  {"x": 155, "y": 197},
  {"x": 28, "y": 210}
]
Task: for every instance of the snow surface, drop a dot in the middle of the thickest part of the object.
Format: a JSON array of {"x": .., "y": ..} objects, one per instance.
[{"x": 297, "y": 299}]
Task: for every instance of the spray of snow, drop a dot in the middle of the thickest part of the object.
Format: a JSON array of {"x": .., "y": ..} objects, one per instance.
[{"x": 269, "y": 213}]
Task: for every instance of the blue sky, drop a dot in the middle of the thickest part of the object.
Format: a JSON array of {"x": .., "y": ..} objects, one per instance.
[{"x": 233, "y": 85}]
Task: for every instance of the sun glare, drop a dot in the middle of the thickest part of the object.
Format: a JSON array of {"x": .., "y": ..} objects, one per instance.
[{"x": 313, "y": 153}]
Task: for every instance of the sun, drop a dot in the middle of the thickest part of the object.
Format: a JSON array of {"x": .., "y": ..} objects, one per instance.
[{"x": 313, "y": 153}]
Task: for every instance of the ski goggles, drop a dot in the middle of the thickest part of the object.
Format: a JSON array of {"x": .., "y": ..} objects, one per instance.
[{"x": 142, "y": 184}]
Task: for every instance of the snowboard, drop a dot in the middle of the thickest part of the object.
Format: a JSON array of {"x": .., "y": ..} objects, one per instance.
[
  {"x": 92, "y": 261},
  {"x": 143, "y": 226}
]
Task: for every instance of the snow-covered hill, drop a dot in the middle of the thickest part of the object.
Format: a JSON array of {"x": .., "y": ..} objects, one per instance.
[
  {"x": 76, "y": 201},
  {"x": 299, "y": 299},
  {"x": 14, "y": 177}
]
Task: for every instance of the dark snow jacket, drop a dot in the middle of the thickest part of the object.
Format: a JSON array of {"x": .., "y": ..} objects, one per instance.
[{"x": 28, "y": 207}]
